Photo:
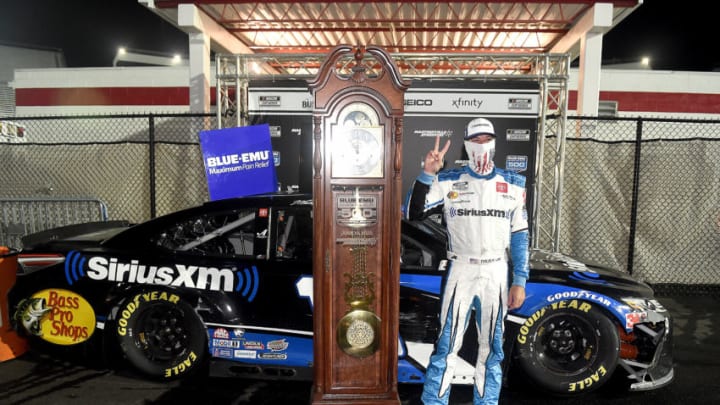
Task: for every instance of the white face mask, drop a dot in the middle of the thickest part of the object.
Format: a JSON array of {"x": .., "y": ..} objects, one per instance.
[{"x": 481, "y": 156}]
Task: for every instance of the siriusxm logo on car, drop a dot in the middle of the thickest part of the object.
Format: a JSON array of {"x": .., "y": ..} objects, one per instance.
[
  {"x": 101, "y": 268},
  {"x": 472, "y": 212}
]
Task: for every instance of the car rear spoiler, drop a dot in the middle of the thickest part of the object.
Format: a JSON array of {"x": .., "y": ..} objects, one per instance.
[{"x": 88, "y": 230}]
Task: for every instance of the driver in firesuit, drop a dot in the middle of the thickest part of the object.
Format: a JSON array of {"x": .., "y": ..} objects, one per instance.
[{"x": 484, "y": 210}]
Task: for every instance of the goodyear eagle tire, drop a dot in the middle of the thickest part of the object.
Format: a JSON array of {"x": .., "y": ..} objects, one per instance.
[
  {"x": 161, "y": 335},
  {"x": 569, "y": 347}
]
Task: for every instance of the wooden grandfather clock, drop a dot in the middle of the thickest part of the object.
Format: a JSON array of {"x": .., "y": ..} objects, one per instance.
[{"x": 357, "y": 196}]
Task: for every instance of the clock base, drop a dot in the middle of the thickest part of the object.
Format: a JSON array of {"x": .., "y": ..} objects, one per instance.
[{"x": 390, "y": 398}]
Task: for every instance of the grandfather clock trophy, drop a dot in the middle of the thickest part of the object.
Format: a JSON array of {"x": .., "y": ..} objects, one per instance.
[{"x": 357, "y": 198}]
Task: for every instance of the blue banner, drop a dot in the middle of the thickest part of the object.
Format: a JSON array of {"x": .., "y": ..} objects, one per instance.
[{"x": 238, "y": 161}]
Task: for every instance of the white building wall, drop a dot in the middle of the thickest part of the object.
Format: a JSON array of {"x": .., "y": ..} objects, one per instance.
[{"x": 640, "y": 92}]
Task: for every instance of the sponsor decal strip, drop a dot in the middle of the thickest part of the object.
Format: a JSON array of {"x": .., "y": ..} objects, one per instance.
[{"x": 279, "y": 330}]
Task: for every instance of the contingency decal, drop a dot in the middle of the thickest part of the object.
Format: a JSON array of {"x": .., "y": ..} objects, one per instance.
[
  {"x": 100, "y": 268},
  {"x": 58, "y": 316},
  {"x": 261, "y": 348}
]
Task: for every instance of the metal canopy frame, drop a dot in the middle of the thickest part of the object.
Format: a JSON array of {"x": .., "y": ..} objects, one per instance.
[{"x": 550, "y": 71}]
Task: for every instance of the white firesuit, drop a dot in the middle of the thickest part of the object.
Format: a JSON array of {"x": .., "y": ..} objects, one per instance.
[{"x": 485, "y": 217}]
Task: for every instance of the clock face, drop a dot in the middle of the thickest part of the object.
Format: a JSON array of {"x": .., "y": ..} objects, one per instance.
[
  {"x": 357, "y": 143},
  {"x": 357, "y": 153}
]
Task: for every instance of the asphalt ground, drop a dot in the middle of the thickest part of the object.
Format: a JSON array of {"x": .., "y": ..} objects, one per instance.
[{"x": 39, "y": 378}]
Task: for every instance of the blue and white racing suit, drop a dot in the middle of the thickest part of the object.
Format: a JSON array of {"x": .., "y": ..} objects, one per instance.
[{"x": 485, "y": 215}]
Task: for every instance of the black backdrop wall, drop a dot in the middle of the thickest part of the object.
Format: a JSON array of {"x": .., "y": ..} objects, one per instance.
[{"x": 432, "y": 108}]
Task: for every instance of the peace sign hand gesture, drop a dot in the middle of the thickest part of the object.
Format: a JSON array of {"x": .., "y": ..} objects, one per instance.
[{"x": 434, "y": 158}]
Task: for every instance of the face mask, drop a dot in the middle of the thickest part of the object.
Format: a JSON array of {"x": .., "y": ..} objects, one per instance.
[{"x": 481, "y": 156}]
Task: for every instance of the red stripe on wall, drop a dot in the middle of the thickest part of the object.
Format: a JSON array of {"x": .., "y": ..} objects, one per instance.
[
  {"x": 120, "y": 96},
  {"x": 657, "y": 102},
  {"x": 102, "y": 96}
]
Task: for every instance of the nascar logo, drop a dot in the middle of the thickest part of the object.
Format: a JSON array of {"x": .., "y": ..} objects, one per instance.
[{"x": 100, "y": 268}]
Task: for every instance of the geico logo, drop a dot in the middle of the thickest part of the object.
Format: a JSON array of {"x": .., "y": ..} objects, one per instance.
[
  {"x": 202, "y": 278},
  {"x": 419, "y": 102},
  {"x": 587, "y": 382}
]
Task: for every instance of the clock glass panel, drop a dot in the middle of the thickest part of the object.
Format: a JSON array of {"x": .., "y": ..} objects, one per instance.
[{"x": 357, "y": 143}]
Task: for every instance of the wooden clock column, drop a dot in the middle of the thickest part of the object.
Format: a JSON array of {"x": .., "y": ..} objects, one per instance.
[{"x": 357, "y": 197}]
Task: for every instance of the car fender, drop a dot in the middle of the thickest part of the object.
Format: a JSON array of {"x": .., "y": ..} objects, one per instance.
[{"x": 541, "y": 295}]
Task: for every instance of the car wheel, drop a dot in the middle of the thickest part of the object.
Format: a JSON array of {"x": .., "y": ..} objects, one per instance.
[
  {"x": 161, "y": 335},
  {"x": 569, "y": 347}
]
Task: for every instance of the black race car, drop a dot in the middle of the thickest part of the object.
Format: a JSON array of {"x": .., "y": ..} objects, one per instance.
[{"x": 229, "y": 284}]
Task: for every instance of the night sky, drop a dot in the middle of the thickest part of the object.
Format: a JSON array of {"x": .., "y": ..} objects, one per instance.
[
  {"x": 89, "y": 32},
  {"x": 675, "y": 35}
]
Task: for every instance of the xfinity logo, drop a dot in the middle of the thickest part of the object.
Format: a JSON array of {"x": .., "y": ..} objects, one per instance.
[
  {"x": 178, "y": 275},
  {"x": 472, "y": 212},
  {"x": 467, "y": 102}
]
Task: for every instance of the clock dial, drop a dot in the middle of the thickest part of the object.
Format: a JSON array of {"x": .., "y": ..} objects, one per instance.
[
  {"x": 358, "y": 143},
  {"x": 359, "y": 153}
]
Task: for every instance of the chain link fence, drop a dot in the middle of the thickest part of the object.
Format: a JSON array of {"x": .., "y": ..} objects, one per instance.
[
  {"x": 643, "y": 195},
  {"x": 640, "y": 195},
  {"x": 138, "y": 166}
]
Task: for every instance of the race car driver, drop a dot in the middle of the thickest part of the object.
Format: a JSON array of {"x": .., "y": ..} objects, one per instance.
[{"x": 484, "y": 209}]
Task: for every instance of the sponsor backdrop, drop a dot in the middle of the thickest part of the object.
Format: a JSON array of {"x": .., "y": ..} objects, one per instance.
[
  {"x": 432, "y": 108},
  {"x": 287, "y": 108},
  {"x": 443, "y": 108}
]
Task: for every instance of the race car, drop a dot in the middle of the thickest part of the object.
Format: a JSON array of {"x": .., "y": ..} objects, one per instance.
[{"x": 228, "y": 285}]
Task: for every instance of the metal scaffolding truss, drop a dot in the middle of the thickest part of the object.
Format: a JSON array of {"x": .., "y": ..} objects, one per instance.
[{"x": 550, "y": 71}]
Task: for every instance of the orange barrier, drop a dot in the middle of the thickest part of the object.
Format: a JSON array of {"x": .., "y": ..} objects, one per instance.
[{"x": 11, "y": 345}]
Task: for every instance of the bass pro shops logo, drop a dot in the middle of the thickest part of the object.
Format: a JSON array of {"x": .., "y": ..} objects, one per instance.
[{"x": 100, "y": 268}]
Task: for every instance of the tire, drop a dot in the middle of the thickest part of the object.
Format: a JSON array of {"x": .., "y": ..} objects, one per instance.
[
  {"x": 161, "y": 335},
  {"x": 568, "y": 348}
]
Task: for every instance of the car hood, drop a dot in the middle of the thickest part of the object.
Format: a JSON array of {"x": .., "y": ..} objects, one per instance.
[{"x": 558, "y": 268}]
